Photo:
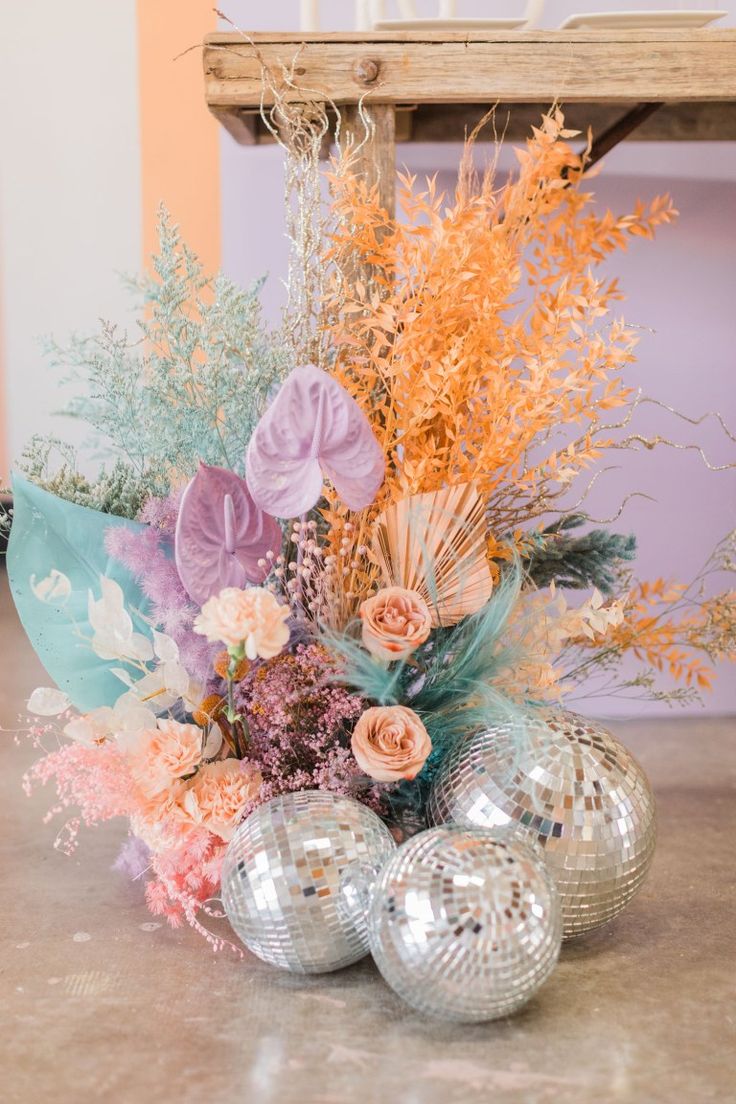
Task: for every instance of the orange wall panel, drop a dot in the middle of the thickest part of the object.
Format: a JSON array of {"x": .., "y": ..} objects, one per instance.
[{"x": 180, "y": 156}]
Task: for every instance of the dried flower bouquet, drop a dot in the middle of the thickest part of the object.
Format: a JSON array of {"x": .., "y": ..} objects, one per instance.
[{"x": 322, "y": 553}]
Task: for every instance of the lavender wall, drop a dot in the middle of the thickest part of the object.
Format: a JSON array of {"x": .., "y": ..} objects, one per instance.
[{"x": 680, "y": 287}]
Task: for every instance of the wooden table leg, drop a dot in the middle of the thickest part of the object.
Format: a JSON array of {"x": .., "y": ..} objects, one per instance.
[{"x": 376, "y": 146}]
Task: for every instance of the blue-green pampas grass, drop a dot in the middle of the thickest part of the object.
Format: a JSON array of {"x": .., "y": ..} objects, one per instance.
[
  {"x": 380, "y": 683},
  {"x": 454, "y": 670}
]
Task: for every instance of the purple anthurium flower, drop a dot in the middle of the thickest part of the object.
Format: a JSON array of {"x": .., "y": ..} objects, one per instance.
[
  {"x": 221, "y": 534},
  {"x": 312, "y": 429}
]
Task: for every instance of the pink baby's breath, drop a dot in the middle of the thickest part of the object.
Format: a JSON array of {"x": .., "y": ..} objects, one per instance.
[{"x": 299, "y": 722}]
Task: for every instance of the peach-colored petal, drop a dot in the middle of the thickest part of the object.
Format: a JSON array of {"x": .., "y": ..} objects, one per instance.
[
  {"x": 162, "y": 755},
  {"x": 395, "y": 622},
  {"x": 251, "y": 618},
  {"x": 390, "y": 743},
  {"x": 218, "y": 794}
]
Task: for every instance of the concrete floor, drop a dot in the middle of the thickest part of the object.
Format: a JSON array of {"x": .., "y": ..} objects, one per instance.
[{"x": 101, "y": 1003}]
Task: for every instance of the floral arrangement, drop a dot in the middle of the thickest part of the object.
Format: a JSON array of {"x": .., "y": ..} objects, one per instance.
[{"x": 322, "y": 553}]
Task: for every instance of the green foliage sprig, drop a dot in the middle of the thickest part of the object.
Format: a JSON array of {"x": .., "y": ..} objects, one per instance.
[
  {"x": 578, "y": 562},
  {"x": 52, "y": 464}
]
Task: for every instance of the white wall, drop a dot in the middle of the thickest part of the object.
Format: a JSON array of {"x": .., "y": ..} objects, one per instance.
[{"x": 69, "y": 187}]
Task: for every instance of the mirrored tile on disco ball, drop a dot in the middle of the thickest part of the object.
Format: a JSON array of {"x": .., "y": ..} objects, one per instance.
[
  {"x": 465, "y": 924},
  {"x": 571, "y": 784},
  {"x": 292, "y": 879}
]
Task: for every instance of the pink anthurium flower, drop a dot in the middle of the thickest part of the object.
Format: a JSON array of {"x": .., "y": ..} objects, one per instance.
[
  {"x": 221, "y": 535},
  {"x": 312, "y": 429}
]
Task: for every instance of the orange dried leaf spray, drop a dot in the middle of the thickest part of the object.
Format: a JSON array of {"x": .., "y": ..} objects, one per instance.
[
  {"x": 483, "y": 348},
  {"x": 669, "y": 630}
]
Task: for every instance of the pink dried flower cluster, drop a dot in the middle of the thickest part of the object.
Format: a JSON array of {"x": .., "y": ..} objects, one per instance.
[
  {"x": 299, "y": 725},
  {"x": 94, "y": 781},
  {"x": 186, "y": 876},
  {"x": 182, "y": 811}
]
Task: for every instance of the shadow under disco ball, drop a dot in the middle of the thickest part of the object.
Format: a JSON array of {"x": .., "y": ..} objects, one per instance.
[
  {"x": 292, "y": 878},
  {"x": 464, "y": 924},
  {"x": 579, "y": 791}
]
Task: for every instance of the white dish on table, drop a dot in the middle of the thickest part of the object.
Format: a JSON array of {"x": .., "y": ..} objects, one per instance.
[
  {"x": 673, "y": 20},
  {"x": 457, "y": 24}
]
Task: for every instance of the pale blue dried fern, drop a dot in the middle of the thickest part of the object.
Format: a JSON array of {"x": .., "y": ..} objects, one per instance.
[{"x": 190, "y": 385}]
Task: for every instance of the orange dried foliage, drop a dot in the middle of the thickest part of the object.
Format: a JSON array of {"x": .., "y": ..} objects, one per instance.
[
  {"x": 222, "y": 667},
  {"x": 482, "y": 332},
  {"x": 209, "y": 709},
  {"x": 664, "y": 632}
]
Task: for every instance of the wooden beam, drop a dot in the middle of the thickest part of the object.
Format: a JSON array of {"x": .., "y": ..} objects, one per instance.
[
  {"x": 621, "y": 129},
  {"x": 684, "y": 122},
  {"x": 592, "y": 67},
  {"x": 244, "y": 124},
  {"x": 687, "y": 122},
  {"x": 412, "y": 36},
  {"x": 376, "y": 146}
]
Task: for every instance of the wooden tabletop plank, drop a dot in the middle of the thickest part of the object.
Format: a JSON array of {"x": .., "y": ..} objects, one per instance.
[
  {"x": 237, "y": 38},
  {"x": 602, "y": 67}
]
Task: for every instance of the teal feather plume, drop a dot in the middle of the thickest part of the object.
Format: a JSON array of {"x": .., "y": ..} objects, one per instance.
[
  {"x": 450, "y": 682},
  {"x": 455, "y": 671},
  {"x": 381, "y": 683}
]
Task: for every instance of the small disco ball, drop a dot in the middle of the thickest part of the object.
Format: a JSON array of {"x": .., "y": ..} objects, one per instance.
[
  {"x": 464, "y": 924},
  {"x": 293, "y": 879},
  {"x": 572, "y": 785}
]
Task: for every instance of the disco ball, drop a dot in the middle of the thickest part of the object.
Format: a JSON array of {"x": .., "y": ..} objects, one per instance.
[
  {"x": 465, "y": 925},
  {"x": 573, "y": 786},
  {"x": 293, "y": 877}
]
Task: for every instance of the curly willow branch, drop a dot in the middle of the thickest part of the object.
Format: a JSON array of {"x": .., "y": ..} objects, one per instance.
[
  {"x": 300, "y": 120},
  {"x": 574, "y": 508},
  {"x": 545, "y": 501},
  {"x": 635, "y": 439}
]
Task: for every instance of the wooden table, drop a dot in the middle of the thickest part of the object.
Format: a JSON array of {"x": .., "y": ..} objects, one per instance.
[{"x": 428, "y": 86}]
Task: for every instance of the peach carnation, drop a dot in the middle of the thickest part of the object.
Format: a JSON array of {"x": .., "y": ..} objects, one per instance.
[
  {"x": 251, "y": 618},
  {"x": 157, "y": 820},
  {"x": 165, "y": 753},
  {"x": 218, "y": 795},
  {"x": 395, "y": 622},
  {"x": 390, "y": 742}
]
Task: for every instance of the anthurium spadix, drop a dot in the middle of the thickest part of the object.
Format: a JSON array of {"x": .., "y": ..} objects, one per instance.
[
  {"x": 312, "y": 429},
  {"x": 221, "y": 534}
]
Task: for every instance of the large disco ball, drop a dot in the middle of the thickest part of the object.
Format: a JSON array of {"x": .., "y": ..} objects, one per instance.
[
  {"x": 465, "y": 925},
  {"x": 289, "y": 879},
  {"x": 571, "y": 784}
]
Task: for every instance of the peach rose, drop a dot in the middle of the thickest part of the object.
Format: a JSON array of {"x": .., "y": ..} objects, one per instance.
[
  {"x": 218, "y": 794},
  {"x": 395, "y": 622},
  {"x": 165, "y": 753},
  {"x": 251, "y": 618},
  {"x": 390, "y": 742}
]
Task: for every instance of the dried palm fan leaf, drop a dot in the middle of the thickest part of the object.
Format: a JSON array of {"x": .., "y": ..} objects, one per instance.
[{"x": 435, "y": 544}]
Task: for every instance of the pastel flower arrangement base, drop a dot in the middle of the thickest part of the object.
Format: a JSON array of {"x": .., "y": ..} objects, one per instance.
[{"x": 336, "y": 552}]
